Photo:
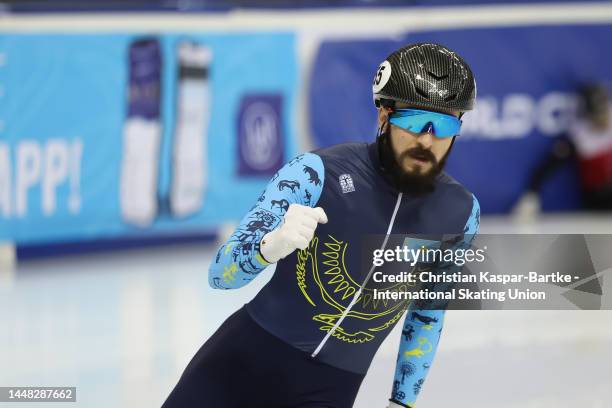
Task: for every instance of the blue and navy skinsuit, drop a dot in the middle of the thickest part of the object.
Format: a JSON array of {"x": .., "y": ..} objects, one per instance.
[{"x": 312, "y": 289}]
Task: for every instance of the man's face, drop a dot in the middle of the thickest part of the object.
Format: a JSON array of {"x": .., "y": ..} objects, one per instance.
[{"x": 417, "y": 154}]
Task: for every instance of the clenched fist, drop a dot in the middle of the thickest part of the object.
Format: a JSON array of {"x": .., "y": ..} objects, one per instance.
[{"x": 296, "y": 231}]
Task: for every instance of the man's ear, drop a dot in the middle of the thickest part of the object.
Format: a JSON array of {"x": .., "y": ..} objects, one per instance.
[
  {"x": 383, "y": 115},
  {"x": 383, "y": 124}
]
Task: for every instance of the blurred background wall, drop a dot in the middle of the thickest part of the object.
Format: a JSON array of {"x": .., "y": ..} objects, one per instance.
[{"x": 140, "y": 119}]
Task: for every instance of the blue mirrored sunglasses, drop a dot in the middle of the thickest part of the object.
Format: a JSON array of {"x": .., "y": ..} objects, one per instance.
[{"x": 419, "y": 121}]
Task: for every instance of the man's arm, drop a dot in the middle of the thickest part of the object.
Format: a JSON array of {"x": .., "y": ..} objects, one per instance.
[
  {"x": 420, "y": 337},
  {"x": 239, "y": 260},
  {"x": 422, "y": 331}
]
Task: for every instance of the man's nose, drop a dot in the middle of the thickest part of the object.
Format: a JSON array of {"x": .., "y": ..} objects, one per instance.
[{"x": 426, "y": 136}]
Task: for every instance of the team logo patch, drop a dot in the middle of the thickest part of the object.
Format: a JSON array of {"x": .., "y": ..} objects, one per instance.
[{"x": 346, "y": 183}]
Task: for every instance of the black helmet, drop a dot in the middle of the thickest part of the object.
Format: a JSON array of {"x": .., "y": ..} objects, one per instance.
[{"x": 427, "y": 76}]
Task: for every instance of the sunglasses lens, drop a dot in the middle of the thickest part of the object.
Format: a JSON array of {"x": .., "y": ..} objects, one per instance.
[{"x": 419, "y": 121}]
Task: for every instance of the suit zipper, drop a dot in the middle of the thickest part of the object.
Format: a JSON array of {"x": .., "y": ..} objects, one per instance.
[{"x": 358, "y": 294}]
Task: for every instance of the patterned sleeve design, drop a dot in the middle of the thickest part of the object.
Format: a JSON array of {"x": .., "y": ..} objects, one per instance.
[
  {"x": 421, "y": 335},
  {"x": 239, "y": 261}
]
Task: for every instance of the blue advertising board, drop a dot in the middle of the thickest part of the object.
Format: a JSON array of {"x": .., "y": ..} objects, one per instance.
[{"x": 121, "y": 134}]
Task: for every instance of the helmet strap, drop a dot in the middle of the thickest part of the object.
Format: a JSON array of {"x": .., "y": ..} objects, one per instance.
[
  {"x": 452, "y": 143},
  {"x": 381, "y": 139}
]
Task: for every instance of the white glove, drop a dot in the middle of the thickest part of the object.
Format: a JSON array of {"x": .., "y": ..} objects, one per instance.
[
  {"x": 394, "y": 405},
  {"x": 295, "y": 231}
]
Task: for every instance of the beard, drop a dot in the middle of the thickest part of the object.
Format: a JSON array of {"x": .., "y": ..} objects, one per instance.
[{"x": 409, "y": 182}]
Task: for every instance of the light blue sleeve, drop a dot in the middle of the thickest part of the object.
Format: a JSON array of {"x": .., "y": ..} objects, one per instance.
[
  {"x": 239, "y": 261},
  {"x": 421, "y": 335}
]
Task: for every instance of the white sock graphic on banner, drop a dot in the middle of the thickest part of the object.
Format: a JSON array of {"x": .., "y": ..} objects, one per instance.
[
  {"x": 189, "y": 162},
  {"x": 141, "y": 135},
  {"x": 141, "y": 140}
]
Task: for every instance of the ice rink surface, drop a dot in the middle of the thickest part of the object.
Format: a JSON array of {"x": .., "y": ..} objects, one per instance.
[{"x": 121, "y": 327}]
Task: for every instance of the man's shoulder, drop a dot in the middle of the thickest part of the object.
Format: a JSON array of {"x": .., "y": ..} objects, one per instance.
[
  {"x": 460, "y": 201},
  {"x": 449, "y": 185},
  {"x": 342, "y": 151},
  {"x": 345, "y": 158}
]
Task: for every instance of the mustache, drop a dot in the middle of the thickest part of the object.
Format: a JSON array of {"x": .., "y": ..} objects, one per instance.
[{"x": 420, "y": 154}]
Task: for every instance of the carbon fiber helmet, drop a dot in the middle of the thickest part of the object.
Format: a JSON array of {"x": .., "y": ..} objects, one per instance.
[{"x": 427, "y": 76}]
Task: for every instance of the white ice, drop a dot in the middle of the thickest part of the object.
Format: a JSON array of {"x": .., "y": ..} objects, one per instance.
[{"x": 122, "y": 326}]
